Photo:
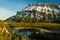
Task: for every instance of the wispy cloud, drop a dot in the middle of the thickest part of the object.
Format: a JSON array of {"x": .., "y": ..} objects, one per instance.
[{"x": 4, "y": 13}]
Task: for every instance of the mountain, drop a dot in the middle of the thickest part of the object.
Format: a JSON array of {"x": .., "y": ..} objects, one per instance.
[{"x": 37, "y": 12}]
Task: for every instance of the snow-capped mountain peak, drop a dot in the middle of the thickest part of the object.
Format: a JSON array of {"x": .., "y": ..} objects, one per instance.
[{"x": 38, "y": 12}]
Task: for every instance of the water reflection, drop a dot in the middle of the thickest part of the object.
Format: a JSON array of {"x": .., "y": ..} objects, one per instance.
[
  {"x": 37, "y": 34},
  {"x": 22, "y": 32}
]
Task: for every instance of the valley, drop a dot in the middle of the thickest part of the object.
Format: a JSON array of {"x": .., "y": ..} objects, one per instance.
[
  {"x": 29, "y": 31},
  {"x": 37, "y": 21}
]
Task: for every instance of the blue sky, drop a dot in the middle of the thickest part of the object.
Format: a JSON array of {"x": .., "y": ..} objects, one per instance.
[{"x": 9, "y": 8}]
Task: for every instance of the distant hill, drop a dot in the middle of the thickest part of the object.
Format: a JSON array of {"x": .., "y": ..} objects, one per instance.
[{"x": 37, "y": 12}]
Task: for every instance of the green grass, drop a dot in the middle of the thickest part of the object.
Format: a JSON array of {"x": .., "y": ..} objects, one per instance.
[
  {"x": 50, "y": 26},
  {"x": 7, "y": 36},
  {"x": 12, "y": 36}
]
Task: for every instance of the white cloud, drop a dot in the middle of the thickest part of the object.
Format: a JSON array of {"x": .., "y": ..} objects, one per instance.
[{"x": 4, "y": 14}]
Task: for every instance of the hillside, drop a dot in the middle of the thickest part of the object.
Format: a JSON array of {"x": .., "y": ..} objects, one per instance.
[
  {"x": 6, "y": 32},
  {"x": 37, "y": 12}
]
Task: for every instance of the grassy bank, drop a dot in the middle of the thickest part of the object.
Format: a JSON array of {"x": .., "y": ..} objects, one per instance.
[
  {"x": 11, "y": 36},
  {"x": 6, "y": 32},
  {"x": 51, "y": 26}
]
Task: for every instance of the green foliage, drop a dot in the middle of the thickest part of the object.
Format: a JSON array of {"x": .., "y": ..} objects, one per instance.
[{"x": 4, "y": 35}]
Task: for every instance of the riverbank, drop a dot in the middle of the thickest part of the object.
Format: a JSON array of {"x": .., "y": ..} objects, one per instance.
[{"x": 50, "y": 26}]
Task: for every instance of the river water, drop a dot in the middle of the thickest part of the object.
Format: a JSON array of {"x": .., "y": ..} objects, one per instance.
[{"x": 41, "y": 34}]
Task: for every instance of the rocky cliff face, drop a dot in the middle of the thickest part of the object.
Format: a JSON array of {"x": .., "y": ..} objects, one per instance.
[{"x": 37, "y": 12}]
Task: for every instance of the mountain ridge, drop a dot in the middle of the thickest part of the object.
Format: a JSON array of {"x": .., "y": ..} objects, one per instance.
[{"x": 37, "y": 12}]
